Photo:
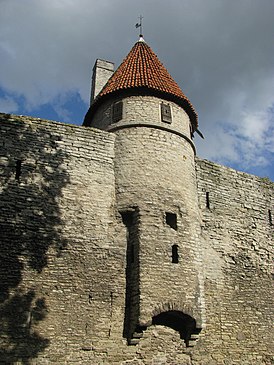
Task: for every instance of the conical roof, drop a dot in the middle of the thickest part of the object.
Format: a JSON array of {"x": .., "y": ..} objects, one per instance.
[{"x": 142, "y": 72}]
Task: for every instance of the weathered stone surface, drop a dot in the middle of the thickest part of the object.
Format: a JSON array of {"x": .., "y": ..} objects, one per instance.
[{"x": 66, "y": 194}]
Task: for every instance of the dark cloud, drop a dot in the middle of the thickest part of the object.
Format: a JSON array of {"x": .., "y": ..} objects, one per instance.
[{"x": 220, "y": 53}]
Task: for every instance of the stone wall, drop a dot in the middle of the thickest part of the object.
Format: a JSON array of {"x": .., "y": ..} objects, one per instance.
[
  {"x": 142, "y": 110},
  {"x": 155, "y": 175},
  {"x": 57, "y": 217},
  {"x": 63, "y": 248},
  {"x": 237, "y": 241}
]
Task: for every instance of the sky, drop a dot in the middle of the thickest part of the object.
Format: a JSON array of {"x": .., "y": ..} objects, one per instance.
[{"x": 220, "y": 52}]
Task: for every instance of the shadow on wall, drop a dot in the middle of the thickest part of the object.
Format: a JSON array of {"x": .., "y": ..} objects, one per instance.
[{"x": 31, "y": 178}]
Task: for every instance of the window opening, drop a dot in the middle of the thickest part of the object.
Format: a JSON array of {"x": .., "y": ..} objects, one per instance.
[
  {"x": 18, "y": 169},
  {"x": 166, "y": 113},
  {"x": 127, "y": 218},
  {"x": 270, "y": 217},
  {"x": 117, "y": 111},
  {"x": 171, "y": 220},
  {"x": 207, "y": 200},
  {"x": 175, "y": 254}
]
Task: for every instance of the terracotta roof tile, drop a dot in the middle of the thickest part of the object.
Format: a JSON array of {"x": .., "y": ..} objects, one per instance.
[{"x": 142, "y": 69}]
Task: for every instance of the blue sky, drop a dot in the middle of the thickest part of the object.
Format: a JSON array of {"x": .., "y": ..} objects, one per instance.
[{"x": 220, "y": 52}]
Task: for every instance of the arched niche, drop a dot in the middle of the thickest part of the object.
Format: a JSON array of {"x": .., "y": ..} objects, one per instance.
[{"x": 180, "y": 322}]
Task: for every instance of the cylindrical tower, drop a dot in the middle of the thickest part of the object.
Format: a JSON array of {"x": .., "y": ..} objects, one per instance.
[{"x": 155, "y": 191}]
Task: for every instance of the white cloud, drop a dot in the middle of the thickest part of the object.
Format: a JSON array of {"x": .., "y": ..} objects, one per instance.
[
  {"x": 8, "y": 105},
  {"x": 220, "y": 53}
]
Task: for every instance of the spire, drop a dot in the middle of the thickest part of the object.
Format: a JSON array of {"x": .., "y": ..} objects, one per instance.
[
  {"x": 142, "y": 72},
  {"x": 140, "y": 25}
]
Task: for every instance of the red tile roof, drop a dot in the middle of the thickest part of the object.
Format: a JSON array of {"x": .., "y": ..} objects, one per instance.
[{"x": 142, "y": 69}]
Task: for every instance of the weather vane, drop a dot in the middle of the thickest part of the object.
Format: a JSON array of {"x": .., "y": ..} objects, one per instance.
[{"x": 140, "y": 25}]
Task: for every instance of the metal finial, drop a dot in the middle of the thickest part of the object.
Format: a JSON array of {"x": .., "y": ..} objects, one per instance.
[{"x": 140, "y": 25}]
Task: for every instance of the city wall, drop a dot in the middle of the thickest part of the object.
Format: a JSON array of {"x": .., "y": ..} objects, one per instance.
[{"x": 63, "y": 256}]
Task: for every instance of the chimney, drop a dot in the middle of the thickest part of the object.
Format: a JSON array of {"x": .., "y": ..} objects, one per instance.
[{"x": 102, "y": 71}]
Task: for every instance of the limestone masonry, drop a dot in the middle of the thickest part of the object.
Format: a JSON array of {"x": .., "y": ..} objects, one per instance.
[{"x": 119, "y": 246}]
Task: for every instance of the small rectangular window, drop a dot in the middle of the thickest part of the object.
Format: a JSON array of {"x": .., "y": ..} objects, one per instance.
[
  {"x": 175, "y": 254},
  {"x": 127, "y": 218},
  {"x": 171, "y": 220},
  {"x": 166, "y": 113},
  {"x": 207, "y": 200},
  {"x": 117, "y": 111},
  {"x": 18, "y": 170},
  {"x": 270, "y": 217}
]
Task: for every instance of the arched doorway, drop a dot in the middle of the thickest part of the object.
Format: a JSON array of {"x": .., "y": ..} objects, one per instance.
[{"x": 179, "y": 321}]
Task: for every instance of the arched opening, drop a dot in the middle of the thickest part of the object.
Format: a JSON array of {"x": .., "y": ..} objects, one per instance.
[{"x": 179, "y": 321}]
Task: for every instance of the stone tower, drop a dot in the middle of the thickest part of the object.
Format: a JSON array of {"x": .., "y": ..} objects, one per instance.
[
  {"x": 156, "y": 195},
  {"x": 115, "y": 236}
]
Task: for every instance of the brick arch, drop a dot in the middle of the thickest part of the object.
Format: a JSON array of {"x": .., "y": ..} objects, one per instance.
[
  {"x": 179, "y": 317},
  {"x": 175, "y": 315},
  {"x": 170, "y": 306}
]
